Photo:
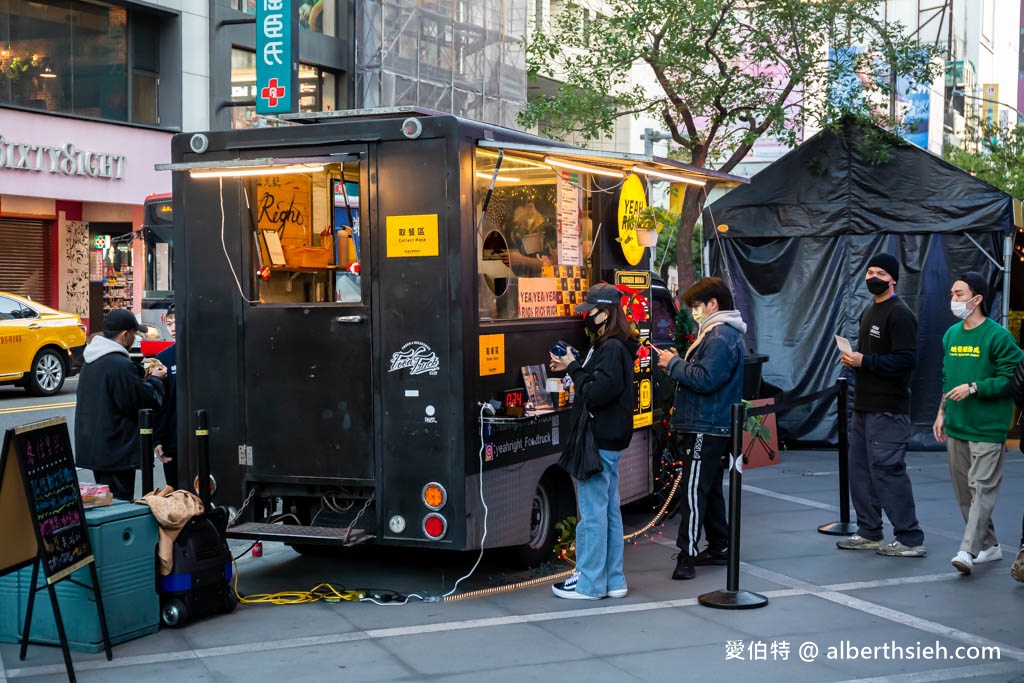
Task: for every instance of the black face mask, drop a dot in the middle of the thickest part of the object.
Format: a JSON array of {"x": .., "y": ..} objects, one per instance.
[
  {"x": 592, "y": 327},
  {"x": 877, "y": 285}
]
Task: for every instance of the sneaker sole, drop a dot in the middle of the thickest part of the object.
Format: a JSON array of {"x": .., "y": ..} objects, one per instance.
[
  {"x": 620, "y": 593},
  {"x": 962, "y": 567},
  {"x": 874, "y": 546},
  {"x": 571, "y": 595},
  {"x": 902, "y": 554}
]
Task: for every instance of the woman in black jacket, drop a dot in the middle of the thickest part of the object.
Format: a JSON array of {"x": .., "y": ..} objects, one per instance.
[
  {"x": 604, "y": 386},
  {"x": 1017, "y": 387}
]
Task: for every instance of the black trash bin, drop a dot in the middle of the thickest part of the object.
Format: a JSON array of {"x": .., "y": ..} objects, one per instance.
[{"x": 752, "y": 363}]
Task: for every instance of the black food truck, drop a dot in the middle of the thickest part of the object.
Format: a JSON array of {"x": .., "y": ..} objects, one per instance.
[{"x": 366, "y": 301}]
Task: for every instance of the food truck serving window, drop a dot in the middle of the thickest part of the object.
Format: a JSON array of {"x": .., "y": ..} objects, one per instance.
[
  {"x": 305, "y": 232},
  {"x": 533, "y": 240}
]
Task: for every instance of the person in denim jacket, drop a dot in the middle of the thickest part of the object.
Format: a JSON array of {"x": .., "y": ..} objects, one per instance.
[{"x": 709, "y": 380}]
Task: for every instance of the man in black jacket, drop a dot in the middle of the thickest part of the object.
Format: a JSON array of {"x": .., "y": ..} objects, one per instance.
[
  {"x": 111, "y": 392},
  {"x": 886, "y": 355},
  {"x": 165, "y": 432}
]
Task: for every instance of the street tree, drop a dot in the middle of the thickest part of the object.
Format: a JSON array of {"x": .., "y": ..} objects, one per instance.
[
  {"x": 725, "y": 73},
  {"x": 999, "y": 160}
]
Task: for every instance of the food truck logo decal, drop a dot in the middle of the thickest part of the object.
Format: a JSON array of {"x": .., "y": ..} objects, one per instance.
[{"x": 417, "y": 357}]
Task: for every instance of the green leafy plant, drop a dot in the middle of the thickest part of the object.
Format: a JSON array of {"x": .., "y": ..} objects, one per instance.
[
  {"x": 565, "y": 546},
  {"x": 754, "y": 426}
]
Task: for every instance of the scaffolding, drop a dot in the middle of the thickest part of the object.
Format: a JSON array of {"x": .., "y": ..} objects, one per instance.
[{"x": 465, "y": 57}]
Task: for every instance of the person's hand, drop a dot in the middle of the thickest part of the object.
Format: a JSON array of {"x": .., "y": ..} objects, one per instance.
[
  {"x": 159, "y": 453},
  {"x": 560, "y": 363},
  {"x": 937, "y": 428},
  {"x": 959, "y": 393},
  {"x": 160, "y": 372},
  {"x": 852, "y": 359},
  {"x": 665, "y": 357}
]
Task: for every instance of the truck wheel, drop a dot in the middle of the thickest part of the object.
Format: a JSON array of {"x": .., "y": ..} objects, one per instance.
[
  {"x": 174, "y": 613},
  {"x": 230, "y": 601},
  {"x": 551, "y": 504},
  {"x": 47, "y": 374}
]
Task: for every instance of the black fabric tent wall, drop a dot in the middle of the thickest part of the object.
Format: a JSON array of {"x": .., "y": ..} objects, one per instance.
[{"x": 796, "y": 249}]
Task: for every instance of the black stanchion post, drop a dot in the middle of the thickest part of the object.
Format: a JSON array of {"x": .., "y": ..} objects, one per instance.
[
  {"x": 203, "y": 456},
  {"x": 843, "y": 527},
  {"x": 732, "y": 597},
  {"x": 146, "y": 449}
]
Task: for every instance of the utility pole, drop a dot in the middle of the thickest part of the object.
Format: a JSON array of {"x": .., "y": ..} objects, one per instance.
[{"x": 650, "y": 136}]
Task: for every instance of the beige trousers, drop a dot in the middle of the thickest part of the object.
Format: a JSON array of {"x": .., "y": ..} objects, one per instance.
[{"x": 976, "y": 469}]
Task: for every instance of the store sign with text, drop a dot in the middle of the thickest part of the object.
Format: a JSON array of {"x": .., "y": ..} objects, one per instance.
[
  {"x": 277, "y": 64},
  {"x": 64, "y": 159}
]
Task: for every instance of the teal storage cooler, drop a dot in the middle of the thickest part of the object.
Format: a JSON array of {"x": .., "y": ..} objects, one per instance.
[{"x": 124, "y": 538}]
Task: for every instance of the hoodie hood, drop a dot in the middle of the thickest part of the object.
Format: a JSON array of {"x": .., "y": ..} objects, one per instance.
[
  {"x": 100, "y": 346},
  {"x": 730, "y": 318}
]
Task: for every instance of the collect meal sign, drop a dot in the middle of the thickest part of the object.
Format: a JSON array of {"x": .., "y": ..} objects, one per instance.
[{"x": 409, "y": 236}]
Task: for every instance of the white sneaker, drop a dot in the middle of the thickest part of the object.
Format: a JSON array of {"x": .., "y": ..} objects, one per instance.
[
  {"x": 989, "y": 555},
  {"x": 963, "y": 562}
]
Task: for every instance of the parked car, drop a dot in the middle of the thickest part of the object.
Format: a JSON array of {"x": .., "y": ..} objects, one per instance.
[{"x": 40, "y": 347}]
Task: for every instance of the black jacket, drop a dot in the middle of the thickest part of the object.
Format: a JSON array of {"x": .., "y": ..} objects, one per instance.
[
  {"x": 111, "y": 392},
  {"x": 1017, "y": 385},
  {"x": 165, "y": 431},
  {"x": 605, "y": 385}
]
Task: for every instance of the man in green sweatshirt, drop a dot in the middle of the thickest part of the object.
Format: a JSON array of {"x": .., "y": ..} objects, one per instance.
[{"x": 979, "y": 358}]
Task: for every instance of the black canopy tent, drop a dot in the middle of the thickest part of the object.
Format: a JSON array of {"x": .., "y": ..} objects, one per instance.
[{"x": 795, "y": 244}]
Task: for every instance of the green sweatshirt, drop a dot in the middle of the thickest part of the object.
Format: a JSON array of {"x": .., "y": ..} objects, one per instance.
[{"x": 986, "y": 355}]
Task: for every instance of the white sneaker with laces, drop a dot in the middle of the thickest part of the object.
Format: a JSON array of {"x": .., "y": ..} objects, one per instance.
[
  {"x": 963, "y": 562},
  {"x": 618, "y": 592},
  {"x": 989, "y": 555}
]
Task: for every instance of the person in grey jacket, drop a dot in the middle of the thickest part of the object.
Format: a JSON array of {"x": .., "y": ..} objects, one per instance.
[
  {"x": 709, "y": 380},
  {"x": 111, "y": 392}
]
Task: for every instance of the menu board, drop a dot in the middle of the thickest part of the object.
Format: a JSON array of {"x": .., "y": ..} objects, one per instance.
[
  {"x": 283, "y": 204},
  {"x": 37, "y": 475}
]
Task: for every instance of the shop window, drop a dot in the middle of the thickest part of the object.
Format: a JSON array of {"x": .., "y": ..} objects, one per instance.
[
  {"x": 307, "y": 235},
  {"x": 316, "y": 88},
  {"x": 533, "y": 239},
  {"x": 76, "y": 58},
  {"x": 317, "y": 16}
]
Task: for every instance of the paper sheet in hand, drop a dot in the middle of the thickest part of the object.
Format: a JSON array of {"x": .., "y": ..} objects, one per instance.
[{"x": 844, "y": 344}]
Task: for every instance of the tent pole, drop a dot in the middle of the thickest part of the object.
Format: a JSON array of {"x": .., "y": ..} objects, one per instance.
[{"x": 1007, "y": 265}]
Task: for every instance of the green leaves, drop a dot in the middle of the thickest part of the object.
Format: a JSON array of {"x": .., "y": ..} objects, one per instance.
[{"x": 996, "y": 156}]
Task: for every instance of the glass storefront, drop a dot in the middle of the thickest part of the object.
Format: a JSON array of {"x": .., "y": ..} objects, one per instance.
[
  {"x": 79, "y": 58},
  {"x": 316, "y": 88}
]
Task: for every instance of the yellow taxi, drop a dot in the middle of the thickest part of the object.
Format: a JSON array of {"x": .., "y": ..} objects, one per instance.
[{"x": 39, "y": 347}]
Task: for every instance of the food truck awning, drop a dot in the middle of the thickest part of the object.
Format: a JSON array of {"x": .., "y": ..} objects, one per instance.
[{"x": 614, "y": 163}]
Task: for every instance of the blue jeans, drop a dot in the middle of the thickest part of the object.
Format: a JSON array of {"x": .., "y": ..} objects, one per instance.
[{"x": 599, "y": 543}]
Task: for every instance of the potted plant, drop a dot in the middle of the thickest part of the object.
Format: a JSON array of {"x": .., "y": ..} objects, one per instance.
[{"x": 648, "y": 223}]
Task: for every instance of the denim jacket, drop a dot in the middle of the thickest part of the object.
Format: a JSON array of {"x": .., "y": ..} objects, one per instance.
[{"x": 709, "y": 382}]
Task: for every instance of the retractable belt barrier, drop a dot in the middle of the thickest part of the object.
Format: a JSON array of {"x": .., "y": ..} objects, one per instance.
[
  {"x": 146, "y": 449},
  {"x": 732, "y": 597}
]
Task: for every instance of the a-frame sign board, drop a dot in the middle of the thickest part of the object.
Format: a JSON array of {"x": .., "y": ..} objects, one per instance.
[{"x": 43, "y": 520}]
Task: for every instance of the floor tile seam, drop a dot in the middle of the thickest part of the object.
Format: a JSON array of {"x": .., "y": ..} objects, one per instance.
[{"x": 947, "y": 674}]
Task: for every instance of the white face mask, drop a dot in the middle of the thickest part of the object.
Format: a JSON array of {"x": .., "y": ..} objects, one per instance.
[
  {"x": 698, "y": 315},
  {"x": 960, "y": 310}
]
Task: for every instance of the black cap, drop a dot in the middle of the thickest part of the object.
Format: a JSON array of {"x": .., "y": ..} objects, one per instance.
[
  {"x": 886, "y": 262},
  {"x": 120, "y": 320},
  {"x": 601, "y": 293},
  {"x": 978, "y": 285}
]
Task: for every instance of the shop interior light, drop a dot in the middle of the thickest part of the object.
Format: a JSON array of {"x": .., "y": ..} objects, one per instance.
[
  {"x": 583, "y": 168},
  {"x": 672, "y": 177},
  {"x": 256, "y": 171},
  {"x": 501, "y": 177},
  {"x": 509, "y": 159}
]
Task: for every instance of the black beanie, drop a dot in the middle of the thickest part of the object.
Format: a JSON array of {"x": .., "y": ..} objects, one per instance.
[
  {"x": 886, "y": 262},
  {"x": 978, "y": 285}
]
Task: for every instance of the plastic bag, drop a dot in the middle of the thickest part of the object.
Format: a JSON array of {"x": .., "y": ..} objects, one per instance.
[{"x": 580, "y": 457}]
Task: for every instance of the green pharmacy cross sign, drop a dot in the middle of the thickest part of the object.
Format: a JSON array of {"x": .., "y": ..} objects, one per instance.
[{"x": 277, "y": 65}]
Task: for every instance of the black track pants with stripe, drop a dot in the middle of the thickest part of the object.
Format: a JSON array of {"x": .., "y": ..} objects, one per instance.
[{"x": 704, "y": 460}]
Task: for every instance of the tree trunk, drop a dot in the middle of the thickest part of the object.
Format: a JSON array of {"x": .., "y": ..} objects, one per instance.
[{"x": 692, "y": 208}]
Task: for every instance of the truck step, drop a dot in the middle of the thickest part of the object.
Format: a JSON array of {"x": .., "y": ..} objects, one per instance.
[{"x": 294, "y": 533}]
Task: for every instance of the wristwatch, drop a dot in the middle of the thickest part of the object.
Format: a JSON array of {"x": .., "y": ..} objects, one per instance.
[{"x": 972, "y": 388}]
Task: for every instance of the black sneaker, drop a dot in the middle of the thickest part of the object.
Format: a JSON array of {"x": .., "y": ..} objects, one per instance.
[
  {"x": 718, "y": 557},
  {"x": 684, "y": 568}
]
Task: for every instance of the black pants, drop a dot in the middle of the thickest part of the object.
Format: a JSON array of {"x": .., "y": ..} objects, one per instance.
[
  {"x": 704, "y": 458},
  {"x": 121, "y": 482}
]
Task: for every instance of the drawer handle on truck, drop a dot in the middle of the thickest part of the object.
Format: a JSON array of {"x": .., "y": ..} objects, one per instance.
[{"x": 349, "y": 319}]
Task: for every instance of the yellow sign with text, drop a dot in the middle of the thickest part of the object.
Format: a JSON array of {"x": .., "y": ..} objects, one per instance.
[
  {"x": 632, "y": 200},
  {"x": 492, "y": 354},
  {"x": 410, "y": 236}
]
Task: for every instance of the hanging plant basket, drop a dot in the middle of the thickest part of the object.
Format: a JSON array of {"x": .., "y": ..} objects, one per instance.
[{"x": 647, "y": 238}]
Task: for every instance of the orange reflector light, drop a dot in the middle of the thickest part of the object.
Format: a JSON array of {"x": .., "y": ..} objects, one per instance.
[
  {"x": 434, "y": 496},
  {"x": 434, "y": 526}
]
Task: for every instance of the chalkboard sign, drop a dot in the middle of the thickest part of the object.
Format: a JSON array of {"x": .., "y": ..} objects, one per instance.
[{"x": 37, "y": 474}]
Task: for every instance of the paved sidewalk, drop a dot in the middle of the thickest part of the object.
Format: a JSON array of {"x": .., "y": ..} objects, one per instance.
[{"x": 820, "y": 598}]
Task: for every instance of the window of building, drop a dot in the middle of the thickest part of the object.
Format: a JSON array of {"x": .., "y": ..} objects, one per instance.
[
  {"x": 317, "y": 90},
  {"x": 318, "y": 16},
  {"x": 79, "y": 58},
  {"x": 533, "y": 239}
]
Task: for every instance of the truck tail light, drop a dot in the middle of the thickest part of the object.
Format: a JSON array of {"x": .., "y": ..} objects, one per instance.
[
  {"x": 435, "y": 526},
  {"x": 434, "y": 496}
]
